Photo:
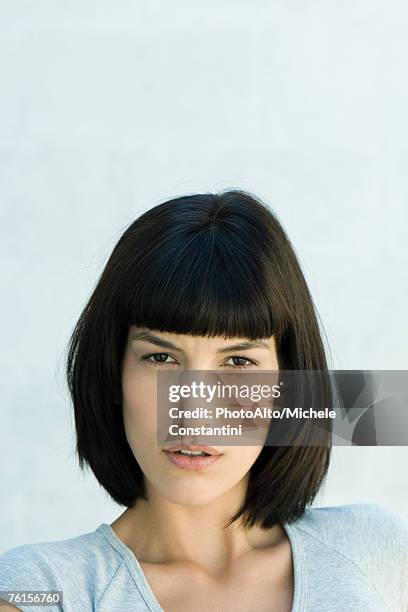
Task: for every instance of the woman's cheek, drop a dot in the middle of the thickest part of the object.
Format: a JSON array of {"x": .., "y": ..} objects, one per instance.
[{"x": 140, "y": 410}]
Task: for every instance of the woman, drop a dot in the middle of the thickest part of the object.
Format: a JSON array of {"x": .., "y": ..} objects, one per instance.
[{"x": 195, "y": 284}]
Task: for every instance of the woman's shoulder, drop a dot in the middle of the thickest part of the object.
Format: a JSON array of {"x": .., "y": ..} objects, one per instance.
[
  {"x": 357, "y": 525},
  {"x": 80, "y": 566},
  {"x": 367, "y": 539}
]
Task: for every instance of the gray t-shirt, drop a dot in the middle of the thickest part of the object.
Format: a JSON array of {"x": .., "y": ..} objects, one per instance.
[{"x": 349, "y": 557}]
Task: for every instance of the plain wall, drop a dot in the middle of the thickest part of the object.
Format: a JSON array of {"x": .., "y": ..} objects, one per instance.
[{"x": 108, "y": 108}]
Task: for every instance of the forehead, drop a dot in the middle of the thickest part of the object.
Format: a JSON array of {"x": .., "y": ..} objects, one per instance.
[{"x": 179, "y": 341}]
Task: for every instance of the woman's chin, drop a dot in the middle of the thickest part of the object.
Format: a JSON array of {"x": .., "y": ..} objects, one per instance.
[{"x": 184, "y": 496}]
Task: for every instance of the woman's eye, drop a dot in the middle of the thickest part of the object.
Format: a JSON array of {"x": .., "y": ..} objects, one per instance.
[
  {"x": 249, "y": 363},
  {"x": 157, "y": 358}
]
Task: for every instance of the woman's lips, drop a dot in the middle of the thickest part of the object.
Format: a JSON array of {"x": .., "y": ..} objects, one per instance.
[
  {"x": 186, "y": 462},
  {"x": 207, "y": 449}
]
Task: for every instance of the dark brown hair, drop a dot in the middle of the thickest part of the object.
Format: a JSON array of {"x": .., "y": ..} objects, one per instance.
[{"x": 204, "y": 264}]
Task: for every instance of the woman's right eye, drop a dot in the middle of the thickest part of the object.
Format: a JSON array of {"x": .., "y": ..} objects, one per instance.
[{"x": 162, "y": 358}]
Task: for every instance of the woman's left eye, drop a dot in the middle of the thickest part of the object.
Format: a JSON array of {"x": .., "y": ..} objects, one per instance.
[{"x": 249, "y": 363}]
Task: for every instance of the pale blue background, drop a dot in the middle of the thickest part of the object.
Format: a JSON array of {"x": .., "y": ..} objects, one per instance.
[{"x": 107, "y": 108}]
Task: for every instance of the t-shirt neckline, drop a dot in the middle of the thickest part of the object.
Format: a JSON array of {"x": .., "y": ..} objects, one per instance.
[
  {"x": 142, "y": 584},
  {"x": 134, "y": 567}
]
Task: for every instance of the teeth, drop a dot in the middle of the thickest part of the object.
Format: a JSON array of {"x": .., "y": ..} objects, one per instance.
[{"x": 192, "y": 453}]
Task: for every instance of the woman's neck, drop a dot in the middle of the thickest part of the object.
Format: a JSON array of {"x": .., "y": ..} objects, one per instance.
[{"x": 162, "y": 531}]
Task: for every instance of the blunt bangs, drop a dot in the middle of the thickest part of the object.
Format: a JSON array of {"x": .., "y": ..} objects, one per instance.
[
  {"x": 206, "y": 271},
  {"x": 209, "y": 265}
]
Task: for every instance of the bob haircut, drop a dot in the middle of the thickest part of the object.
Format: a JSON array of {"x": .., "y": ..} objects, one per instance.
[{"x": 203, "y": 264}]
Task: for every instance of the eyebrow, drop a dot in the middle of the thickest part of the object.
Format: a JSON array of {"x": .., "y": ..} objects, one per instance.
[{"x": 241, "y": 346}]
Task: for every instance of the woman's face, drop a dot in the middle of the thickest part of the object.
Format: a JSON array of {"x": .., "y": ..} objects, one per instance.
[{"x": 146, "y": 353}]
